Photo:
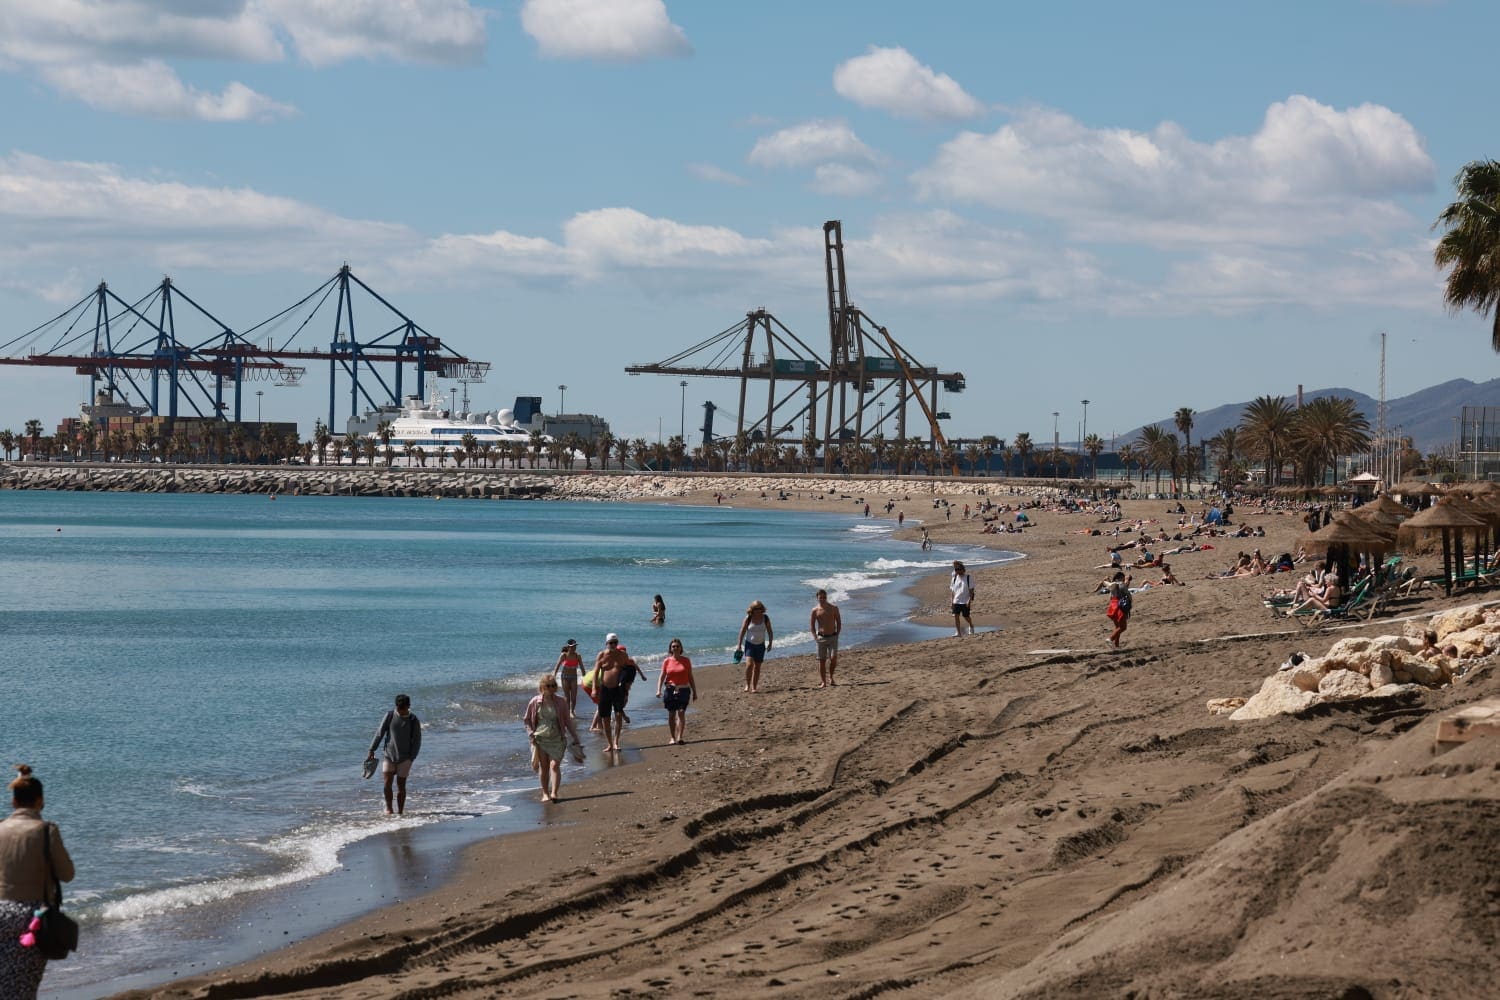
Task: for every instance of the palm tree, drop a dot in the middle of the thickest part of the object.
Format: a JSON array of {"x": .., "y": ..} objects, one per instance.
[
  {"x": 409, "y": 450},
  {"x": 622, "y": 451},
  {"x": 1183, "y": 418},
  {"x": 369, "y": 446},
  {"x": 8, "y": 442},
  {"x": 1006, "y": 454},
  {"x": 1126, "y": 453},
  {"x": 1024, "y": 448},
  {"x": 321, "y": 439},
  {"x": 1325, "y": 429},
  {"x": 606, "y": 444},
  {"x": 537, "y": 444},
  {"x": 1224, "y": 447},
  {"x": 1266, "y": 430},
  {"x": 988, "y": 445},
  {"x": 1150, "y": 446},
  {"x": 469, "y": 445},
  {"x": 1093, "y": 445},
  {"x": 383, "y": 432},
  {"x": 1470, "y": 245},
  {"x": 33, "y": 431}
]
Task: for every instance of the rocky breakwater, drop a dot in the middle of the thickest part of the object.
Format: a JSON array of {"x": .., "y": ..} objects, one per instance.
[
  {"x": 1386, "y": 666},
  {"x": 284, "y": 480}
]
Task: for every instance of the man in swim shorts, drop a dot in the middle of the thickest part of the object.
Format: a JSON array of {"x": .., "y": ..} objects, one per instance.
[
  {"x": 401, "y": 732},
  {"x": 616, "y": 671},
  {"x": 826, "y": 623}
]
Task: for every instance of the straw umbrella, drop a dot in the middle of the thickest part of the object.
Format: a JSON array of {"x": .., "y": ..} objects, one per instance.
[
  {"x": 1348, "y": 535},
  {"x": 1486, "y": 512},
  {"x": 1451, "y": 521},
  {"x": 1384, "y": 513}
]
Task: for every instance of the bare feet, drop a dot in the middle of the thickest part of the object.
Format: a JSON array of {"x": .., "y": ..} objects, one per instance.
[{"x": 823, "y": 685}]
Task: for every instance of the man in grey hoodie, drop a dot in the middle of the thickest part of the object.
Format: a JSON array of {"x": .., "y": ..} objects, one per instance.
[{"x": 401, "y": 732}]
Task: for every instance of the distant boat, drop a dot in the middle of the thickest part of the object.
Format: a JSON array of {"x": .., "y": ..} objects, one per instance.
[{"x": 428, "y": 426}]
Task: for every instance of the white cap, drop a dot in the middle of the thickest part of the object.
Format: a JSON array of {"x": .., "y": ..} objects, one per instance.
[{"x": 611, "y": 637}]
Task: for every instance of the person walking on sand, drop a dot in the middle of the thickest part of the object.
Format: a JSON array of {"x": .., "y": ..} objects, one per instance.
[
  {"x": 401, "y": 732},
  {"x": 549, "y": 722},
  {"x": 675, "y": 687},
  {"x": 754, "y": 640},
  {"x": 615, "y": 672},
  {"x": 826, "y": 623},
  {"x": 33, "y": 861},
  {"x": 962, "y": 588},
  {"x": 1120, "y": 601},
  {"x": 568, "y": 664}
]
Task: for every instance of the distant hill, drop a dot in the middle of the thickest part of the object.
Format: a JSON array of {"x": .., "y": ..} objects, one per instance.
[{"x": 1426, "y": 415}]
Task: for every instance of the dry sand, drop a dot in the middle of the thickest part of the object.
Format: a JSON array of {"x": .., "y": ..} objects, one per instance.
[{"x": 1016, "y": 813}]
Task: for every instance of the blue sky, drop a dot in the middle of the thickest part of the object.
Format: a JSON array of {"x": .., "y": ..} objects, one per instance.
[{"x": 1147, "y": 205}]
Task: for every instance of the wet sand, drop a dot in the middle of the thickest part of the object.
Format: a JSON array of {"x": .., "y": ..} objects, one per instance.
[{"x": 1021, "y": 812}]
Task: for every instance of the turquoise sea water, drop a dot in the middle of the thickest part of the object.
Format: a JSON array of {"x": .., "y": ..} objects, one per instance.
[{"x": 197, "y": 678}]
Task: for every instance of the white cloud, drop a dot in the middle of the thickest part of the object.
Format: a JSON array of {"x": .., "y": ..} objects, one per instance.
[
  {"x": 715, "y": 175},
  {"x": 445, "y": 32},
  {"x": 152, "y": 89},
  {"x": 608, "y": 30},
  {"x": 810, "y": 143},
  {"x": 842, "y": 179},
  {"x": 1309, "y": 173},
  {"x": 116, "y": 54},
  {"x": 892, "y": 80},
  {"x": 66, "y": 213}
]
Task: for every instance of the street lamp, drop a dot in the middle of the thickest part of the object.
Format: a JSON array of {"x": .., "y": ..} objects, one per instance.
[
  {"x": 682, "y": 427},
  {"x": 1054, "y": 443},
  {"x": 562, "y": 396},
  {"x": 258, "y": 393}
]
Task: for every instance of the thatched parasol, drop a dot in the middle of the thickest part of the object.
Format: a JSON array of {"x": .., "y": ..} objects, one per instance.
[
  {"x": 1415, "y": 488},
  {"x": 1477, "y": 488},
  {"x": 1347, "y": 535},
  {"x": 1448, "y": 518},
  {"x": 1384, "y": 512}
]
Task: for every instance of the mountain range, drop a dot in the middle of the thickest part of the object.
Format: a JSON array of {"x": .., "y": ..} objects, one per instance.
[{"x": 1428, "y": 416}]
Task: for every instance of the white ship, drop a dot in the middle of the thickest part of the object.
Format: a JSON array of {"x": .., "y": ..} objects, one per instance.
[{"x": 429, "y": 427}]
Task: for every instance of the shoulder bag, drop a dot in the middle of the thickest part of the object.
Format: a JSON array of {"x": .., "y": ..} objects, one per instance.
[{"x": 58, "y": 934}]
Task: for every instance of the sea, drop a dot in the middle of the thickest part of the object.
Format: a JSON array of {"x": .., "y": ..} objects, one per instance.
[{"x": 197, "y": 679}]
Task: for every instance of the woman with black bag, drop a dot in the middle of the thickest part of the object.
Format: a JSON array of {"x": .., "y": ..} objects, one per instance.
[{"x": 32, "y": 862}]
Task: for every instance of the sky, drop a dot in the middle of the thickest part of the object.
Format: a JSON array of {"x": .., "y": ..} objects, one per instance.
[{"x": 1147, "y": 205}]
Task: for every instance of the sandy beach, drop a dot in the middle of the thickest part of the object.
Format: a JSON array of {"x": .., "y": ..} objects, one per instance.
[{"x": 1018, "y": 813}]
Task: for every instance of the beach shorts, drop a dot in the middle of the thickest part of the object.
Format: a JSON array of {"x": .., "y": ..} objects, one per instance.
[
  {"x": 611, "y": 700},
  {"x": 400, "y": 769},
  {"x": 961, "y": 609},
  {"x": 755, "y": 651},
  {"x": 828, "y": 645},
  {"x": 675, "y": 698}
]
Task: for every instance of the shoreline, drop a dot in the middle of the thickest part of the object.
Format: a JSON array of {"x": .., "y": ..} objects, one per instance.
[{"x": 882, "y": 773}]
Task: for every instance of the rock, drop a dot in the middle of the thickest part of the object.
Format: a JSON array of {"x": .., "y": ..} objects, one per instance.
[
  {"x": 1381, "y": 675},
  {"x": 1424, "y": 672},
  {"x": 1276, "y": 697},
  {"x": 1347, "y": 647},
  {"x": 1342, "y": 685},
  {"x": 1397, "y": 691},
  {"x": 1306, "y": 675},
  {"x": 1224, "y": 706},
  {"x": 1456, "y": 620}
]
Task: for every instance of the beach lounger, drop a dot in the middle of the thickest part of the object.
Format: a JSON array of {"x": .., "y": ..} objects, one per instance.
[{"x": 1359, "y": 604}]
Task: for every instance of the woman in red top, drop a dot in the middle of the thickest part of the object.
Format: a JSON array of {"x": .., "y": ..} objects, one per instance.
[{"x": 675, "y": 687}]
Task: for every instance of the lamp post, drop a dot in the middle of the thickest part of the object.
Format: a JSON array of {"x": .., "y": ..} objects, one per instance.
[
  {"x": 258, "y": 393},
  {"x": 1054, "y": 443},
  {"x": 562, "y": 397},
  {"x": 1085, "y": 432},
  {"x": 682, "y": 426}
]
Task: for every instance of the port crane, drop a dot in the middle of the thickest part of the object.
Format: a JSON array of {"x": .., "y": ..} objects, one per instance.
[
  {"x": 167, "y": 355},
  {"x": 863, "y": 369}
]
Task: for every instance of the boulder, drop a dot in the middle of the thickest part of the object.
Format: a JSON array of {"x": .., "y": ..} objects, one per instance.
[
  {"x": 1381, "y": 675},
  {"x": 1276, "y": 697},
  {"x": 1305, "y": 675},
  {"x": 1424, "y": 672},
  {"x": 1342, "y": 685},
  {"x": 1224, "y": 706},
  {"x": 1345, "y": 647},
  {"x": 1397, "y": 691},
  {"x": 1456, "y": 620}
]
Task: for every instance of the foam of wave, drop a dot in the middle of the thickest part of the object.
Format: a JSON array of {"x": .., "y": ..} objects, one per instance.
[
  {"x": 841, "y": 585},
  {"x": 872, "y": 529}
]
